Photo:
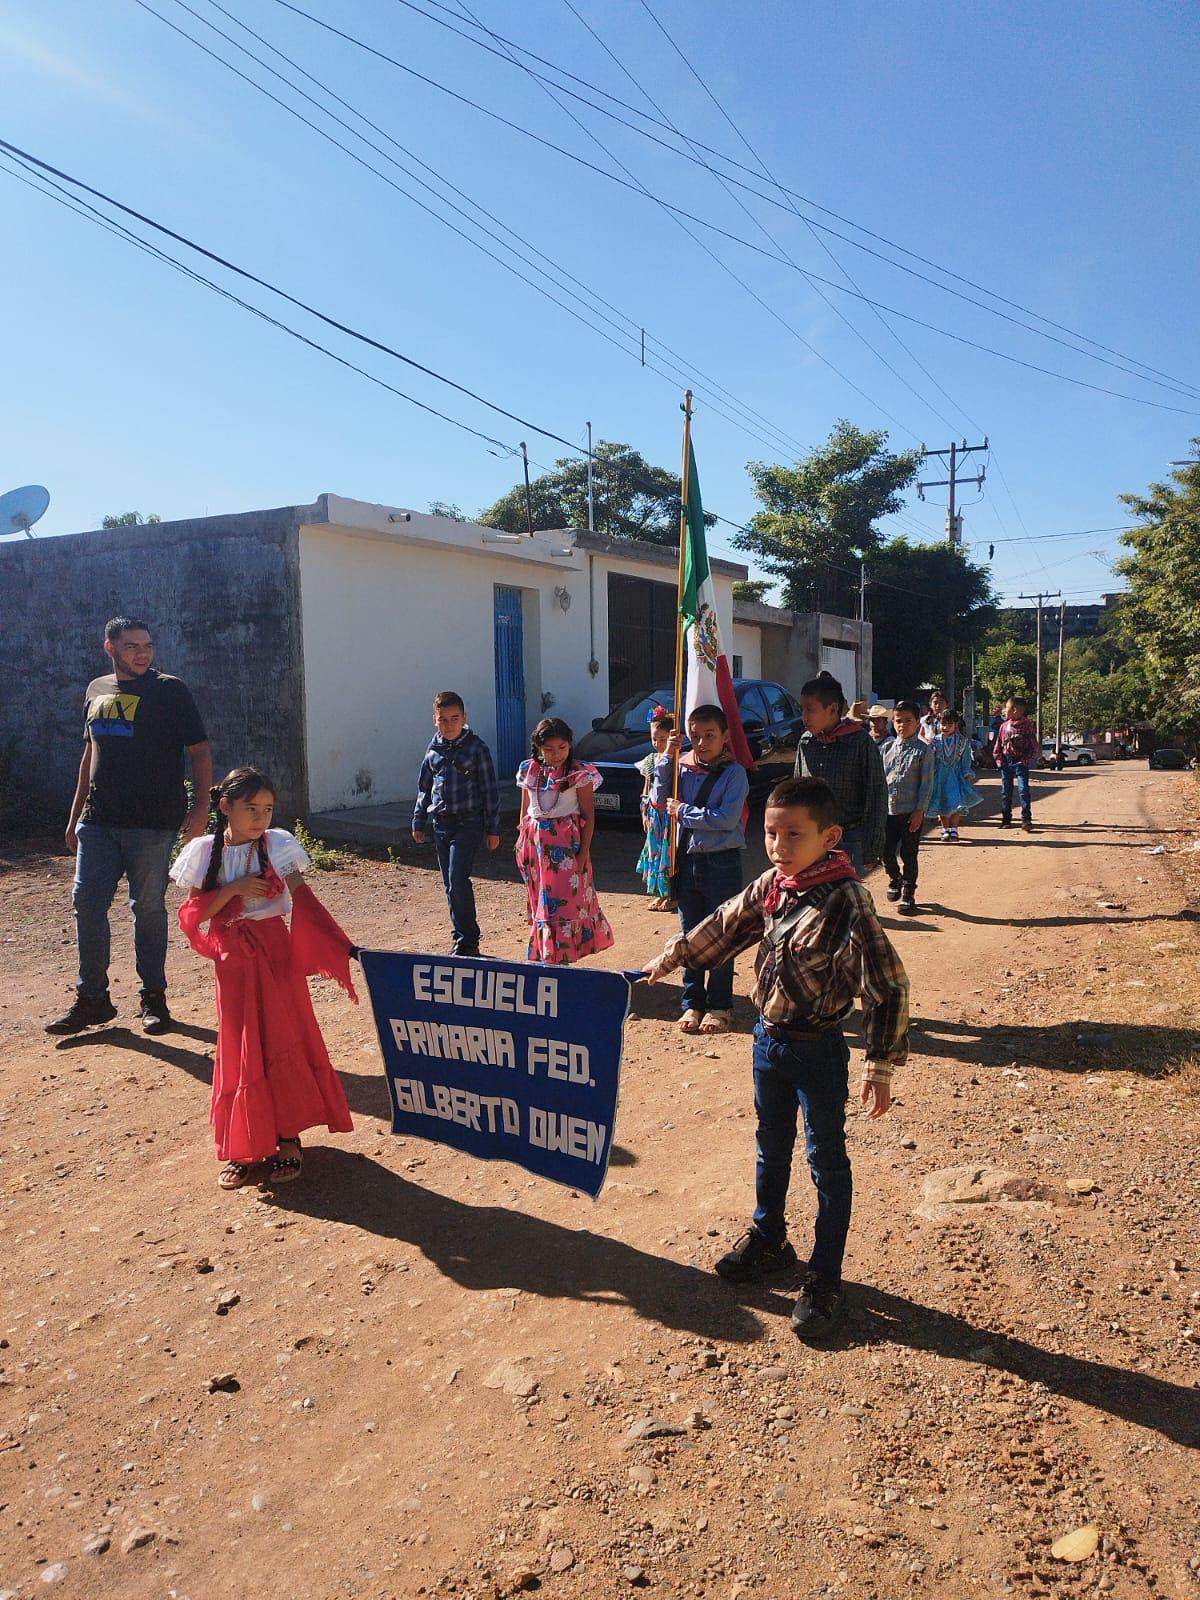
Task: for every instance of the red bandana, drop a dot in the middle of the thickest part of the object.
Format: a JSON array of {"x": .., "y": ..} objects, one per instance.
[
  {"x": 836, "y": 866},
  {"x": 847, "y": 725}
]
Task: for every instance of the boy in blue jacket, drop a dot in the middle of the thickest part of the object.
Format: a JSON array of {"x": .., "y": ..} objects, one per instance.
[
  {"x": 458, "y": 796},
  {"x": 709, "y": 816}
]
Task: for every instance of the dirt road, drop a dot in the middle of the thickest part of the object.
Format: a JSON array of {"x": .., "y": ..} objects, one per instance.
[{"x": 444, "y": 1370}]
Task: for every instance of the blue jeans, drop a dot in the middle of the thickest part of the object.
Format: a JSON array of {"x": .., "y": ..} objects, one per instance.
[
  {"x": 458, "y": 842},
  {"x": 812, "y": 1075},
  {"x": 1021, "y": 770},
  {"x": 852, "y": 844},
  {"x": 704, "y": 881},
  {"x": 102, "y": 857}
]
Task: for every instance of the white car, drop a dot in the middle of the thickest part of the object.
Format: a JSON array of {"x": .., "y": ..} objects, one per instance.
[{"x": 1073, "y": 755}]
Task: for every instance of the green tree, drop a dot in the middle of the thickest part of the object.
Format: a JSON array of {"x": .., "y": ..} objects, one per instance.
[
  {"x": 1004, "y": 666},
  {"x": 633, "y": 500},
  {"x": 129, "y": 519},
  {"x": 1161, "y": 611},
  {"x": 925, "y": 600},
  {"x": 818, "y": 517},
  {"x": 447, "y": 508},
  {"x": 751, "y": 588}
]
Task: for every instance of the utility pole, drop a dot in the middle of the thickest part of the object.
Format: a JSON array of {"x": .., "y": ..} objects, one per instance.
[
  {"x": 528, "y": 493},
  {"x": 1041, "y": 597},
  {"x": 1058, "y": 742},
  {"x": 863, "y": 688},
  {"x": 954, "y": 452},
  {"x": 591, "y": 502}
]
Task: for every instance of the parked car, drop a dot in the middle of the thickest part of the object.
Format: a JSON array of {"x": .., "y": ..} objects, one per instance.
[
  {"x": 1073, "y": 755},
  {"x": 619, "y": 741},
  {"x": 1168, "y": 761}
]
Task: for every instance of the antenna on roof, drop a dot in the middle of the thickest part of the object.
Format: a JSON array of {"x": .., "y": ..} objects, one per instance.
[{"x": 21, "y": 508}]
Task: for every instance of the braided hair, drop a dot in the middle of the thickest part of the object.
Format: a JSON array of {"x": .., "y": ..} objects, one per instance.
[
  {"x": 554, "y": 728},
  {"x": 243, "y": 783}
]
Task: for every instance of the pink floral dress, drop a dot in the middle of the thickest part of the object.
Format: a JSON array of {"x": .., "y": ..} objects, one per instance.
[{"x": 565, "y": 919}]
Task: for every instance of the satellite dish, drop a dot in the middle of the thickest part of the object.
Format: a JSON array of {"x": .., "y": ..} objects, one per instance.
[{"x": 21, "y": 508}]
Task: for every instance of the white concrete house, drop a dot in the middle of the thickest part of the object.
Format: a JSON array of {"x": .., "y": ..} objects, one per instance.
[{"x": 314, "y": 637}]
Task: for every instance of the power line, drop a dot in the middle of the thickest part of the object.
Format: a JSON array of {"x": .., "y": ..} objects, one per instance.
[
  {"x": 91, "y": 214},
  {"x": 354, "y": 156},
  {"x": 745, "y": 209},
  {"x": 46, "y": 173},
  {"x": 301, "y": 305},
  {"x": 814, "y": 231},
  {"x": 676, "y": 216},
  {"x": 1124, "y": 363},
  {"x": 735, "y": 238}
]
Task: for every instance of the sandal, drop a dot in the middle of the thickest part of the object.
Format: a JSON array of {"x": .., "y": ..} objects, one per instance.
[
  {"x": 689, "y": 1022},
  {"x": 285, "y": 1169},
  {"x": 716, "y": 1022},
  {"x": 234, "y": 1175}
]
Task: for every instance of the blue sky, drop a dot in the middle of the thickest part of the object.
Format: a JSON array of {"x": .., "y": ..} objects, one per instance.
[{"x": 1046, "y": 153}]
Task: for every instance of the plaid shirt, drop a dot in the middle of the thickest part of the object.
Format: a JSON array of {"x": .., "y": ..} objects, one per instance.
[
  {"x": 1016, "y": 742},
  {"x": 910, "y": 766},
  {"x": 458, "y": 780},
  {"x": 835, "y": 951},
  {"x": 852, "y": 769}
]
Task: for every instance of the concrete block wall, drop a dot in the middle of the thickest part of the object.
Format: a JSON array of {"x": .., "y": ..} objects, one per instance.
[{"x": 222, "y": 598}]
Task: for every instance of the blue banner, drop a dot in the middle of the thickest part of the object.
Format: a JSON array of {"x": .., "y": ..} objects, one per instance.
[{"x": 506, "y": 1061}]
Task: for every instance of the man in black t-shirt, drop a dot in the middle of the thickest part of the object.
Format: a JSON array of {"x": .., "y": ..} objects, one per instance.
[{"x": 129, "y": 805}]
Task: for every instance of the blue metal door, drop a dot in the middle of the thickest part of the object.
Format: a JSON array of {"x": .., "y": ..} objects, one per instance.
[{"x": 512, "y": 736}]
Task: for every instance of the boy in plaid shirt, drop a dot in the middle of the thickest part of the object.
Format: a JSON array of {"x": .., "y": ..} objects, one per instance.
[
  {"x": 820, "y": 948},
  {"x": 457, "y": 789}
]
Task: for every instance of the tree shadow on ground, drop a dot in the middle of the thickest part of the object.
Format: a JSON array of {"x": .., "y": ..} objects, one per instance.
[
  {"x": 876, "y": 1317},
  {"x": 1076, "y": 1046},
  {"x": 486, "y": 1247}
]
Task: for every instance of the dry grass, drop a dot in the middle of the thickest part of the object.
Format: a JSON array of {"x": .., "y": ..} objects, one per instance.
[{"x": 1184, "y": 1075}]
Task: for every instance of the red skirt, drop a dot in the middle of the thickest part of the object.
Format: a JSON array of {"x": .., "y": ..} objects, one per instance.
[{"x": 272, "y": 1077}]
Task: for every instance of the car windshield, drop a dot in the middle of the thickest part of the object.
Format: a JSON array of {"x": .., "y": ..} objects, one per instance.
[{"x": 633, "y": 715}]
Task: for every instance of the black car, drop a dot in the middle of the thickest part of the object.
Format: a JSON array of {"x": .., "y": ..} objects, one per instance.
[
  {"x": 1168, "y": 761},
  {"x": 617, "y": 742}
]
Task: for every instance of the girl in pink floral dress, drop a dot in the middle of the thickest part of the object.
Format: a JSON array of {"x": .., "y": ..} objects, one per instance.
[{"x": 554, "y": 844}]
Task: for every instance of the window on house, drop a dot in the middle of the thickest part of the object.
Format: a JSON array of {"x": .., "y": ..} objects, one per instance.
[{"x": 736, "y": 667}]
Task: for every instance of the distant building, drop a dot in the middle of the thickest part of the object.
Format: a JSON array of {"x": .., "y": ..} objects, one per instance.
[
  {"x": 315, "y": 636},
  {"x": 1079, "y": 621}
]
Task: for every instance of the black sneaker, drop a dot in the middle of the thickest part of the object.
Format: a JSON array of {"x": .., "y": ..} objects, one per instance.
[
  {"x": 153, "y": 1013},
  {"x": 753, "y": 1258},
  {"x": 908, "y": 903},
  {"x": 818, "y": 1307},
  {"x": 893, "y": 891},
  {"x": 1006, "y": 822},
  {"x": 468, "y": 952},
  {"x": 87, "y": 1011}
]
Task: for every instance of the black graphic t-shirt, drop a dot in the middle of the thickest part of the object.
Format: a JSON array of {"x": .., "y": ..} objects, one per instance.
[{"x": 139, "y": 728}]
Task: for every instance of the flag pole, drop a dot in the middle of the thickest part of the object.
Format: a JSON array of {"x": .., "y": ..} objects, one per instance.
[{"x": 683, "y": 524}]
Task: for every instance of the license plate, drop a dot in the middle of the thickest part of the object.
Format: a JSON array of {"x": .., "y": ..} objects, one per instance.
[{"x": 608, "y": 802}]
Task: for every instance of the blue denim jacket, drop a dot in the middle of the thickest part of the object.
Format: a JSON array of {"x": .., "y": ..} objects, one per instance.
[{"x": 718, "y": 826}]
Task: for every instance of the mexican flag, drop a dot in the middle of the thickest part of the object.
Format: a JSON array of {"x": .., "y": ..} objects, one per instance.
[{"x": 708, "y": 678}]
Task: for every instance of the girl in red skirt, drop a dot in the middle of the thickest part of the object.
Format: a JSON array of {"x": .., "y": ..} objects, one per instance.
[{"x": 272, "y": 1077}]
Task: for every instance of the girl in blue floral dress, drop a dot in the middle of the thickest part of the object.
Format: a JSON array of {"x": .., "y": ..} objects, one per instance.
[
  {"x": 654, "y": 863},
  {"x": 954, "y": 777},
  {"x": 554, "y": 844}
]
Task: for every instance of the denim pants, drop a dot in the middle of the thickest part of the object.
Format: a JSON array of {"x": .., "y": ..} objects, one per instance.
[
  {"x": 102, "y": 857},
  {"x": 458, "y": 840},
  {"x": 899, "y": 837},
  {"x": 1021, "y": 771},
  {"x": 705, "y": 880},
  {"x": 811, "y": 1075},
  {"x": 852, "y": 844}
]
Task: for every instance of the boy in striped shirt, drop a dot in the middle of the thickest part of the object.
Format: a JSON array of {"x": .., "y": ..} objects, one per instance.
[{"x": 820, "y": 948}]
